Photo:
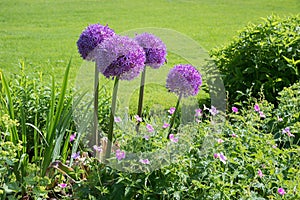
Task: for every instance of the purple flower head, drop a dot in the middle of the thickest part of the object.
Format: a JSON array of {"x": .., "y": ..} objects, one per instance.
[
  {"x": 222, "y": 158},
  {"x": 97, "y": 148},
  {"x": 149, "y": 128},
  {"x": 198, "y": 112},
  {"x": 281, "y": 191},
  {"x": 260, "y": 174},
  {"x": 173, "y": 139},
  {"x": 145, "y": 161},
  {"x": 235, "y": 109},
  {"x": 184, "y": 80},
  {"x": 120, "y": 56},
  {"x": 256, "y": 108},
  {"x": 90, "y": 38},
  {"x": 154, "y": 48},
  {"x": 216, "y": 155},
  {"x": 220, "y": 141},
  {"x": 138, "y": 118},
  {"x": 213, "y": 111},
  {"x": 62, "y": 185},
  {"x": 120, "y": 154}
]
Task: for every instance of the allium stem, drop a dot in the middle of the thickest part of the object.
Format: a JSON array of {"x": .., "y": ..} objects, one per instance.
[
  {"x": 111, "y": 119},
  {"x": 141, "y": 97},
  {"x": 96, "y": 96},
  {"x": 174, "y": 115}
]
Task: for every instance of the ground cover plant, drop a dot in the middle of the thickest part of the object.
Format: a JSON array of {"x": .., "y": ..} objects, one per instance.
[{"x": 60, "y": 142}]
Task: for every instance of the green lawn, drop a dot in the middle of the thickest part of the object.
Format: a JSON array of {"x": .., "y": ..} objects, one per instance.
[{"x": 44, "y": 32}]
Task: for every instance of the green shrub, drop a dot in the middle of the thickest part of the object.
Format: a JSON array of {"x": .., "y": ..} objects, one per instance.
[{"x": 263, "y": 56}]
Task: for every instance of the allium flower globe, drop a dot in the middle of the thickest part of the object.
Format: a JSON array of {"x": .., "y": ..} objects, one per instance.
[
  {"x": 90, "y": 38},
  {"x": 154, "y": 48},
  {"x": 120, "y": 56},
  {"x": 184, "y": 80}
]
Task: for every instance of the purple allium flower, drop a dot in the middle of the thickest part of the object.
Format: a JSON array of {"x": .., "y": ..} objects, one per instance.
[
  {"x": 145, "y": 161},
  {"x": 171, "y": 110},
  {"x": 75, "y": 155},
  {"x": 166, "y": 125},
  {"x": 256, "y": 108},
  {"x": 120, "y": 154},
  {"x": 198, "y": 112},
  {"x": 149, "y": 128},
  {"x": 62, "y": 185},
  {"x": 154, "y": 48},
  {"x": 172, "y": 138},
  {"x": 72, "y": 137},
  {"x": 117, "y": 119},
  {"x": 260, "y": 174},
  {"x": 235, "y": 109},
  {"x": 90, "y": 38},
  {"x": 138, "y": 118},
  {"x": 281, "y": 191},
  {"x": 97, "y": 148},
  {"x": 184, "y": 80},
  {"x": 120, "y": 56}
]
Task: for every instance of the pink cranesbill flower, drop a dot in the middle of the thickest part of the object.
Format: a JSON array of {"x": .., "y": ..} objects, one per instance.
[
  {"x": 72, "y": 137},
  {"x": 256, "y": 108},
  {"x": 171, "y": 110},
  {"x": 233, "y": 135},
  {"x": 75, "y": 155},
  {"x": 222, "y": 158},
  {"x": 260, "y": 174},
  {"x": 146, "y": 137},
  {"x": 198, "y": 112},
  {"x": 173, "y": 138},
  {"x": 216, "y": 155},
  {"x": 261, "y": 114},
  {"x": 145, "y": 161},
  {"x": 166, "y": 125},
  {"x": 220, "y": 141},
  {"x": 149, "y": 128},
  {"x": 62, "y": 185},
  {"x": 120, "y": 154},
  {"x": 213, "y": 110},
  {"x": 281, "y": 191},
  {"x": 138, "y": 118},
  {"x": 117, "y": 119},
  {"x": 235, "y": 109},
  {"x": 97, "y": 148},
  {"x": 288, "y": 132},
  {"x": 279, "y": 119}
]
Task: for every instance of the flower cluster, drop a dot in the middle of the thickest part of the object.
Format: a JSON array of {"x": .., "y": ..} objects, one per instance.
[
  {"x": 90, "y": 38},
  {"x": 184, "y": 80},
  {"x": 120, "y": 56},
  {"x": 154, "y": 48}
]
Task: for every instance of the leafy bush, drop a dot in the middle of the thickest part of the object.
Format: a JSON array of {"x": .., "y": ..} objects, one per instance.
[{"x": 263, "y": 56}]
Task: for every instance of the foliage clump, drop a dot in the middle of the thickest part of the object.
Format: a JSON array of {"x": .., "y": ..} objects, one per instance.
[{"x": 263, "y": 57}]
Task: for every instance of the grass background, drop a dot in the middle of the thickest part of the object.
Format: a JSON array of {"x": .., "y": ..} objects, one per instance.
[{"x": 43, "y": 33}]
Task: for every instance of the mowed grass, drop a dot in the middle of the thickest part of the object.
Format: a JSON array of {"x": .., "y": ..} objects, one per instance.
[{"x": 43, "y": 33}]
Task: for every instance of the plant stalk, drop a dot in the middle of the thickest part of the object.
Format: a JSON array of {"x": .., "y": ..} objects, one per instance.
[
  {"x": 174, "y": 115},
  {"x": 141, "y": 97}
]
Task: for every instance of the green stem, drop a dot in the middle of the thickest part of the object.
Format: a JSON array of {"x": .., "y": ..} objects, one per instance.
[
  {"x": 111, "y": 119},
  {"x": 96, "y": 96},
  {"x": 174, "y": 115},
  {"x": 141, "y": 97}
]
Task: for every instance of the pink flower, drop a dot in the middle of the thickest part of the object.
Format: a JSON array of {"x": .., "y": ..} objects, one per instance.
[
  {"x": 75, "y": 155},
  {"x": 97, "y": 148},
  {"x": 118, "y": 119},
  {"x": 147, "y": 137},
  {"x": 260, "y": 174},
  {"x": 198, "y": 112},
  {"x": 233, "y": 135},
  {"x": 62, "y": 185},
  {"x": 288, "y": 132},
  {"x": 279, "y": 119},
  {"x": 216, "y": 155},
  {"x": 261, "y": 114},
  {"x": 149, "y": 128},
  {"x": 213, "y": 111},
  {"x": 171, "y": 110},
  {"x": 145, "y": 161},
  {"x": 281, "y": 191},
  {"x": 256, "y": 108},
  {"x": 72, "y": 137},
  {"x": 222, "y": 158},
  {"x": 274, "y": 146},
  {"x": 172, "y": 138},
  {"x": 166, "y": 125},
  {"x": 220, "y": 141},
  {"x": 235, "y": 109},
  {"x": 120, "y": 154},
  {"x": 138, "y": 118}
]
